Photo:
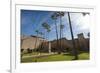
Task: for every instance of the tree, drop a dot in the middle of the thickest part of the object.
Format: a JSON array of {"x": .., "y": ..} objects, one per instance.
[
  {"x": 54, "y": 17},
  {"x": 41, "y": 46},
  {"x": 61, "y": 35},
  {"x": 84, "y": 13},
  {"x": 73, "y": 41},
  {"x": 37, "y": 33},
  {"x": 46, "y": 27},
  {"x": 60, "y": 14},
  {"x": 37, "y": 37}
]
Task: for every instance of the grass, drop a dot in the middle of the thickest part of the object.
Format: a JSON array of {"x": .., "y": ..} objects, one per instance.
[{"x": 57, "y": 57}]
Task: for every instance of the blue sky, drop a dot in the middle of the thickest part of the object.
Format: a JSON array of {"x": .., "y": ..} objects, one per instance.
[{"x": 31, "y": 20}]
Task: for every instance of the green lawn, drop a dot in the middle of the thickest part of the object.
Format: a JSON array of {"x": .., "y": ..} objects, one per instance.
[{"x": 60, "y": 57}]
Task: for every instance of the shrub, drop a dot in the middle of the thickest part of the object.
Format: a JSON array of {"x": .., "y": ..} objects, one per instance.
[
  {"x": 29, "y": 50},
  {"x": 22, "y": 50}
]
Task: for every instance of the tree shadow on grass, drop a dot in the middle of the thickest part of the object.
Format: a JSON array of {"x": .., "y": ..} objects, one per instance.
[{"x": 67, "y": 54}]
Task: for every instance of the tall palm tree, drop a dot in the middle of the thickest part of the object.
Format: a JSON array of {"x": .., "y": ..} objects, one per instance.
[
  {"x": 46, "y": 27},
  {"x": 41, "y": 34},
  {"x": 61, "y": 35},
  {"x": 37, "y": 37},
  {"x": 48, "y": 30},
  {"x": 37, "y": 33},
  {"x": 85, "y": 13},
  {"x": 54, "y": 17},
  {"x": 73, "y": 41},
  {"x": 60, "y": 14}
]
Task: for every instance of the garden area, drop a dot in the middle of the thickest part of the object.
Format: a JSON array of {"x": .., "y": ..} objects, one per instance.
[{"x": 52, "y": 57}]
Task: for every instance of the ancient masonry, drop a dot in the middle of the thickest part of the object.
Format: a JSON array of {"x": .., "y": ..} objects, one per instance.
[{"x": 32, "y": 42}]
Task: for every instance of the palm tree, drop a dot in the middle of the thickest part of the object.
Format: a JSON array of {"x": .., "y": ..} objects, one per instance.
[
  {"x": 84, "y": 13},
  {"x": 62, "y": 27},
  {"x": 48, "y": 30},
  {"x": 73, "y": 41},
  {"x": 37, "y": 33},
  {"x": 54, "y": 17},
  {"x": 61, "y": 33},
  {"x": 37, "y": 37},
  {"x": 46, "y": 27},
  {"x": 60, "y": 14},
  {"x": 41, "y": 46}
]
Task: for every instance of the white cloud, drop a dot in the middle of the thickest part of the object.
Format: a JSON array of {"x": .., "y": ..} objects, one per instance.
[{"x": 82, "y": 22}]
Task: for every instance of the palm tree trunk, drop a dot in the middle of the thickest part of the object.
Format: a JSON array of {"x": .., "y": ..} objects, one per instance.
[
  {"x": 36, "y": 42},
  {"x": 57, "y": 35},
  {"x": 60, "y": 33},
  {"x": 73, "y": 41}
]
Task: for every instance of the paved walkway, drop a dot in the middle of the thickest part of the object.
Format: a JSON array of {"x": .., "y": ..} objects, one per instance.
[{"x": 39, "y": 55}]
